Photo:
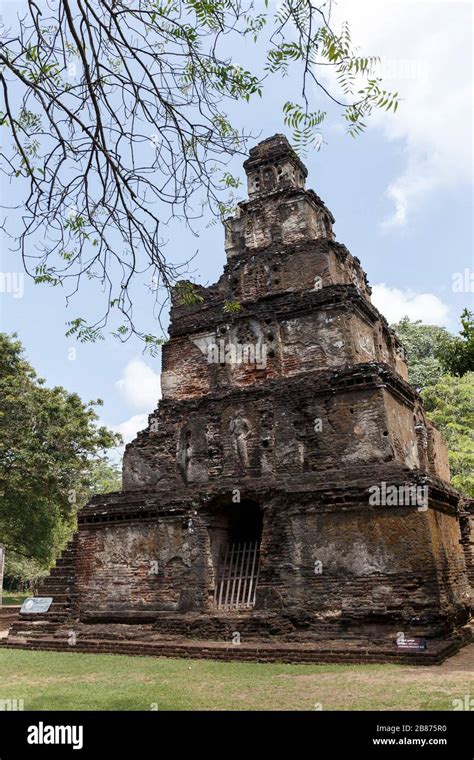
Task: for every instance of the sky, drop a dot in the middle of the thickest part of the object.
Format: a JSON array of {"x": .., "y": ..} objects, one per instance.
[{"x": 401, "y": 195}]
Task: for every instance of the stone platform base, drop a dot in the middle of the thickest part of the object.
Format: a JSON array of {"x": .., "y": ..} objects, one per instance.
[
  {"x": 8, "y": 614},
  {"x": 143, "y": 640}
]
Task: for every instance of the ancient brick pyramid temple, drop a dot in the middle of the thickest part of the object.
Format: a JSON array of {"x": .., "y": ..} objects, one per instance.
[{"x": 249, "y": 503}]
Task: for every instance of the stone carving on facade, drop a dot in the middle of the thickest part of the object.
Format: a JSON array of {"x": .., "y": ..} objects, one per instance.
[{"x": 240, "y": 429}]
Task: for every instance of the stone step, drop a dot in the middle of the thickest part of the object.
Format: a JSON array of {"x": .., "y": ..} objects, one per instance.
[
  {"x": 61, "y": 596},
  {"x": 52, "y": 617},
  {"x": 7, "y": 620},
  {"x": 55, "y": 608},
  {"x": 55, "y": 586},
  {"x": 91, "y": 639},
  {"x": 210, "y": 650},
  {"x": 62, "y": 571},
  {"x": 65, "y": 562}
]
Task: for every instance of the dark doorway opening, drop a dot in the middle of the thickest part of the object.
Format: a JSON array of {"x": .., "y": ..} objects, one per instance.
[
  {"x": 245, "y": 522},
  {"x": 236, "y": 532}
]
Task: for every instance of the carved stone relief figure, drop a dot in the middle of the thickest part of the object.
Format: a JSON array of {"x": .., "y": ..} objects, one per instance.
[
  {"x": 189, "y": 455},
  {"x": 268, "y": 178},
  {"x": 239, "y": 429}
]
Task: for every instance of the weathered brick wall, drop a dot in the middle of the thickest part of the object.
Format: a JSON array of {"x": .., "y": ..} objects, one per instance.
[
  {"x": 309, "y": 420},
  {"x": 368, "y": 566},
  {"x": 400, "y": 430},
  {"x": 293, "y": 217},
  {"x": 140, "y": 566},
  {"x": 453, "y": 581},
  {"x": 299, "y": 432},
  {"x": 328, "y": 327},
  {"x": 326, "y": 564},
  {"x": 303, "y": 266},
  {"x": 438, "y": 462},
  {"x": 467, "y": 540}
]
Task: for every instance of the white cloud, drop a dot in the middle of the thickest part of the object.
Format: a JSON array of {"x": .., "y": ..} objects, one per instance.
[
  {"x": 140, "y": 386},
  {"x": 128, "y": 430},
  {"x": 396, "y": 304},
  {"x": 131, "y": 427},
  {"x": 426, "y": 55}
]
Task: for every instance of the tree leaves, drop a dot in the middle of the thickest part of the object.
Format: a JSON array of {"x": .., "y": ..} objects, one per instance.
[
  {"x": 49, "y": 444},
  {"x": 456, "y": 353},
  {"x": 449, "y": 404},
  {"x": 448, "y": 399},
  {"x": 232, "y": 307},
  {"x": 119, "y": 113},
  {"x": 304, "y": 125}
]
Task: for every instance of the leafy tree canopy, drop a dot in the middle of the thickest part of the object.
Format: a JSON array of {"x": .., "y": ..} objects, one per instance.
[
  {"x": 420, "y": 343},
  {"x": 450, "y": 405},
  {"x": 432, "y": 353},
  {"x": 50, "y": 456},
  {"x": 456, "y": 353},
  {"x": 115, "y": 120}
]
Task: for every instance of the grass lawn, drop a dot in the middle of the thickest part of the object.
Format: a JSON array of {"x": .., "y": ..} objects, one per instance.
[
  {"x": 14, "y": 597},
  {"x": 75, "y": 681}
]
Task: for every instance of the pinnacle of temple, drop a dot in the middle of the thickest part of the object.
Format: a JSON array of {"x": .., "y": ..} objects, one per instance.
[
  {"x": 280, "y": 210},
  {"x": 273, "y": 165}
]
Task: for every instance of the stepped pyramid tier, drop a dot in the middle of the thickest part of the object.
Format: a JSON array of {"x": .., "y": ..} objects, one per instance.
[{"x": 289, "y": 485}]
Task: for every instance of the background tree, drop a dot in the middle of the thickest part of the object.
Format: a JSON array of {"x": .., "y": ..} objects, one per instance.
[
  {"x": 115, "y": 120},
  {"x": 23, "y": 573},
  {"x": 421, "y": 346},
  {"x": 450, "y": 405},
  {"x": 456, "y": 352},
  {"x": 51, "y": 454},
  {"x": 448, "y": 398},
  {"x": 103, "y": 477}
]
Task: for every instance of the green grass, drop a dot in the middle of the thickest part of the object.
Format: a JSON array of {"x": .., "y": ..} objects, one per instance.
[
  {"x": 75, "y": 681},
  {"x": 14, "y": 597}
]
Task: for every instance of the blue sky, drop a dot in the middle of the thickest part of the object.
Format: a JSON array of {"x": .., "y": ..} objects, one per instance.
[{"x": 401, "y": 195}]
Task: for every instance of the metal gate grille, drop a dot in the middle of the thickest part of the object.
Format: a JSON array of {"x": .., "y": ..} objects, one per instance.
[{"x": 237, "y": 580}]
